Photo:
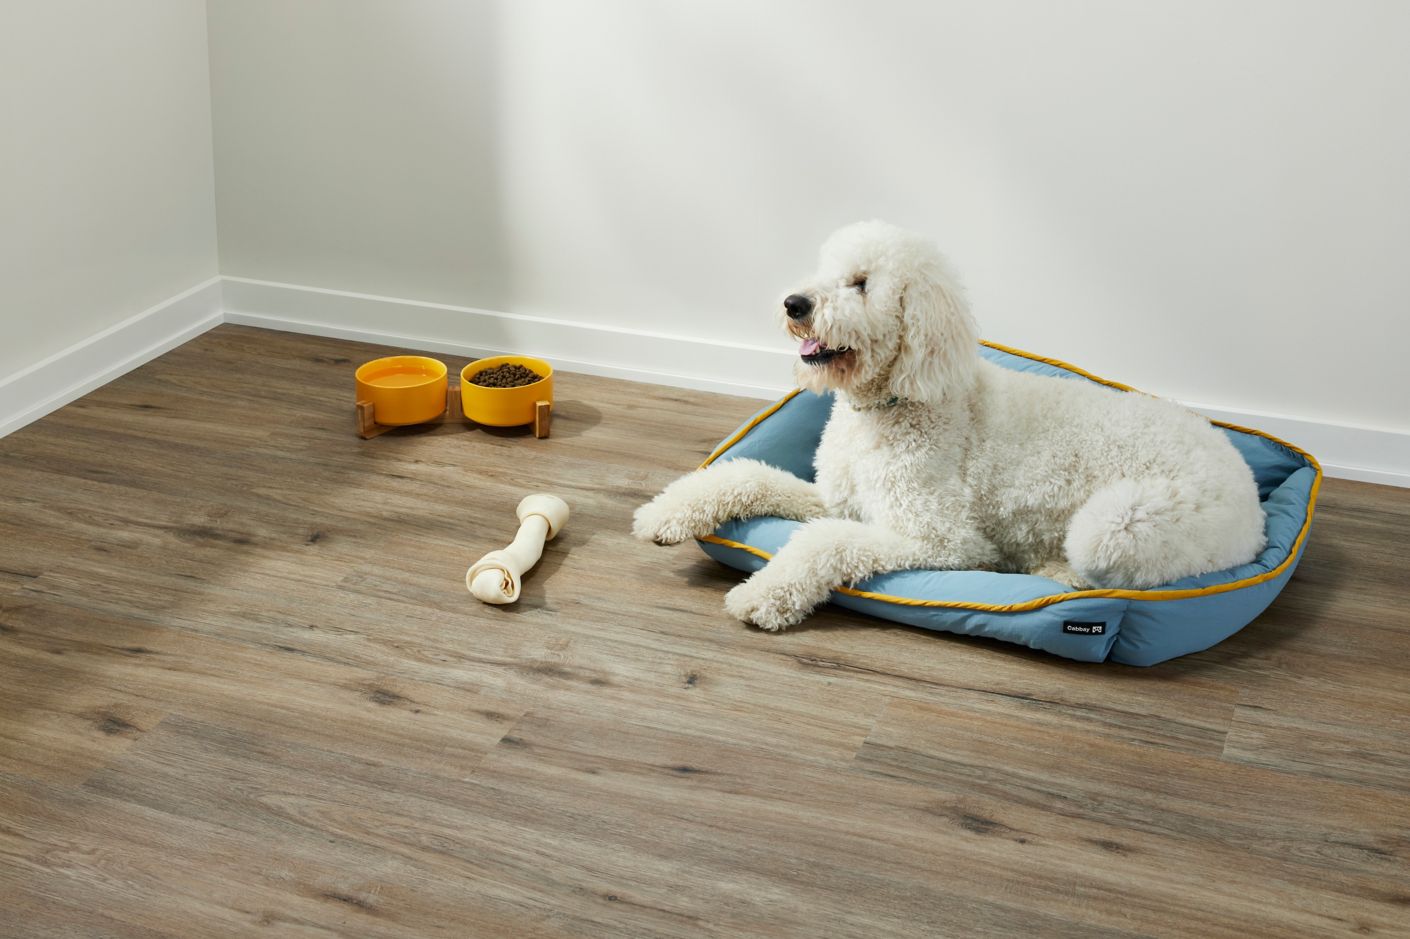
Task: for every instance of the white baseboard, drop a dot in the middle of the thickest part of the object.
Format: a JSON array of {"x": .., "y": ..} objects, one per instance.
[
  {"x": 1345, "y": 451},
  {"x": 71, "y": 373},
  {"x": 633, "y": 354}
]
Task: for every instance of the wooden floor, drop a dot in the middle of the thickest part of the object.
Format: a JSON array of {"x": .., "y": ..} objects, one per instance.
[{"x": 243, "y": 691}]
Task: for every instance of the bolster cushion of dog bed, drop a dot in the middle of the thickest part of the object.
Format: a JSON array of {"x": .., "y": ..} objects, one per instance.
[{"x": 1134, "y": 627}]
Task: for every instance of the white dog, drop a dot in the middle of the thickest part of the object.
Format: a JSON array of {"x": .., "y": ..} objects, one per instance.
[{"x": 936, "y": 458}]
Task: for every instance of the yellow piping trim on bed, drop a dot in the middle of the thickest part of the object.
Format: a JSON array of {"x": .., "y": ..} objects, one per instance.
[
  {"x": 759, "y": 418},
  {"x": 1040, "y": 602},
  {"x": 1060, "y": 364}
]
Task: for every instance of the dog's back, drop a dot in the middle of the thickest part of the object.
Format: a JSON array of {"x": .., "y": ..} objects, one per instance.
[{"x": 1132, "y": 490}]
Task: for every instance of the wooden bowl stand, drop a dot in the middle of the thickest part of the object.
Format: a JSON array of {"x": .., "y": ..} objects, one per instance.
[{"x": 367, "y": 426}]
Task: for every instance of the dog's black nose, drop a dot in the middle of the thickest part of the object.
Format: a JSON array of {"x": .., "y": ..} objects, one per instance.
[{"x": 797, "y": 305}]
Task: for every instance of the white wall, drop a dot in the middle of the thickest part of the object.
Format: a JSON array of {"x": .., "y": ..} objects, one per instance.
[
  {"x": 106, "y": 189},
  {"x": 355, "y": 145},
  {"x": 1208, "y": 200}
]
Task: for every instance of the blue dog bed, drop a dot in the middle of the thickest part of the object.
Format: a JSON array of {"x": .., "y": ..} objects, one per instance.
[{"x": 1134, "y": 627}]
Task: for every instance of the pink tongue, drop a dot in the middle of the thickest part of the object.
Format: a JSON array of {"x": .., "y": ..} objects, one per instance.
[{"x": 810, "y": 347}]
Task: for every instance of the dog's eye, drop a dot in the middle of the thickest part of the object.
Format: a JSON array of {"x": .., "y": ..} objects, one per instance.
[{"x": 860, "y": 282}]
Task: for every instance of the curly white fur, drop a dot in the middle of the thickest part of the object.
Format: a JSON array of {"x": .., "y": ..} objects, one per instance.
[{"x": 935, "y": 458}]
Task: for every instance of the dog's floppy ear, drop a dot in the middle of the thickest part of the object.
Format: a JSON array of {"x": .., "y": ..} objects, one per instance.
[{"x": 938, "y": 340}]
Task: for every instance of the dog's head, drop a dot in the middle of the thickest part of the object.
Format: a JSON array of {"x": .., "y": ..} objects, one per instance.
[{"x": 883, "y": 318}]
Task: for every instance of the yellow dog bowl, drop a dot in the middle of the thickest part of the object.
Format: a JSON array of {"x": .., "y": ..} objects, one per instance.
[
  {"x": 505, "y": 407},
  {"x": 403, "y": 389}
]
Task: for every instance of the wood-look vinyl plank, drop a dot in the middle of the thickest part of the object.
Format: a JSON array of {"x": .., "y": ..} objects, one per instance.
[{"x": 243, "y": 690}]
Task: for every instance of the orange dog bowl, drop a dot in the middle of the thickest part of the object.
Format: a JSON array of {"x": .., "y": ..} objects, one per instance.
[
  {"x": 403, "y": 389},
  {"x": 505, "y": 407}
]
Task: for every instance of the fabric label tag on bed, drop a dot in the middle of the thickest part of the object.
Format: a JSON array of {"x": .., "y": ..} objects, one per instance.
[{"x": 1085, "y": 629}]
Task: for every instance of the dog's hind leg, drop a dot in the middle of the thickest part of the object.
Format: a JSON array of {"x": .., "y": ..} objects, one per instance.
[
  {"x": 1140, "y": 533},
  {"x": 820, "y": 556},
  {"x": 698, "y": 503}
]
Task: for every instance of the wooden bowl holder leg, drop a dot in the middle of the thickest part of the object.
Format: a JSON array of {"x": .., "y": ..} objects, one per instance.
[{"x": 367, "y": 426}]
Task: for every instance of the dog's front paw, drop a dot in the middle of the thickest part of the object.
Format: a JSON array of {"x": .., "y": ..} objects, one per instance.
[
  {"x": 767, "y": 605},
  {"x": 663, "y": 523}
]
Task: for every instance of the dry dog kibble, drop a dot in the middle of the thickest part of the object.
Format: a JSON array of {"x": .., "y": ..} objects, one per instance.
[{"x": 505, "y": 376}]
